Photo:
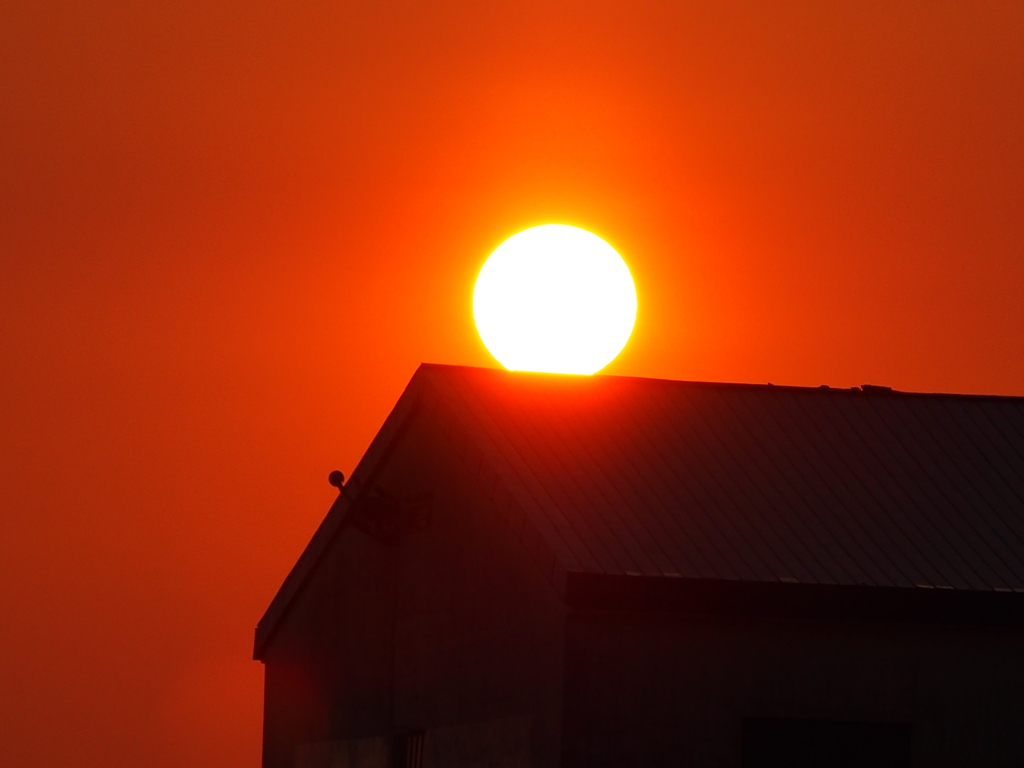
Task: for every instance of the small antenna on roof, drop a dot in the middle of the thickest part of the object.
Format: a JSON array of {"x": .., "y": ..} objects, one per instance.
[{"x": 336, "y": 478}]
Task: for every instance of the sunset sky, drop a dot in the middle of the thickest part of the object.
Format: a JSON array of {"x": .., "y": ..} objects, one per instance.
[{"x": 230, "y": 231}]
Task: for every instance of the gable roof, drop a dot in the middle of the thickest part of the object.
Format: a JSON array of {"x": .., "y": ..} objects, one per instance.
[{"x": 617, "y": 476}]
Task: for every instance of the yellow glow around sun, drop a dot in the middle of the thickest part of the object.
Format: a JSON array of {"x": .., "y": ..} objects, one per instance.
[{"x": 556, "y": 299}]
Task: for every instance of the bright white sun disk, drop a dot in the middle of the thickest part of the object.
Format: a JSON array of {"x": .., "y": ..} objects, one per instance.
[{"x": 556, "y": 299}]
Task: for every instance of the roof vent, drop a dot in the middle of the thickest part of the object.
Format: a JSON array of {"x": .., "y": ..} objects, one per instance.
[
  {"x": 336, "y": 478},
  {"x": 875, "y": 388}
]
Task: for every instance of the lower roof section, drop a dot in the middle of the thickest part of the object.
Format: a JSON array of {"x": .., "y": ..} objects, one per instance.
[{"x": 828, "y": 602}]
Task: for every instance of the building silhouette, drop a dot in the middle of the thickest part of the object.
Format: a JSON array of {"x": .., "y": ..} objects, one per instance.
[{"x": 598, "y": 572}]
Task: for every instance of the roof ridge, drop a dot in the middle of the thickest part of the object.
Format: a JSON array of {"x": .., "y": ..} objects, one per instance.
[{"x": 863, "y": 389}]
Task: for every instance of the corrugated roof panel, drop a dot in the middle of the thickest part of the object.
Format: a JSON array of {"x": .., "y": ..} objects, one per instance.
[
  {"x": 829, "y": 492},
  {"x": 670, "y": 517},
  {"x": 719, "y": 449},
  {"x": 565, "y": 539},
  {"x": 631, "y": 527},
  {"x": 637, "y": 528},
  {"x": 580, "y": 496},
  {"x": 746, "y": 482},
  {"x": 911, "y": 461},
  {"x": 781, "y": 470},
  {"x": 871, "y": 507},
  {"x": 843, "y": 497},
  {"x": 559, "y": 482},
  {"x": 673, "y": 435},
  {"x": 946, "y": 456},
  {"x": 996, "y": 473},
  {"x": 631, "y": 454},
  {"x": 968, "y": 498}
]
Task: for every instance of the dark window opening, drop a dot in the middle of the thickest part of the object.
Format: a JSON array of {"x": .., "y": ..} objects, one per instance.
[
  {"x": 782, "y": 743},
  {"x": 407, "y": 750}
]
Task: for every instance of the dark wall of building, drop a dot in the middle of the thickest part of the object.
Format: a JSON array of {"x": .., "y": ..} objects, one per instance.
[
  {"x": 675, "y": 690},
  {"x": 452, "y": 633},
  {"x": 328, "y": 667}
]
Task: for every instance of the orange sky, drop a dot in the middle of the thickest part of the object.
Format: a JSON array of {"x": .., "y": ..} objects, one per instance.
[{"x": 229, "y": 231}]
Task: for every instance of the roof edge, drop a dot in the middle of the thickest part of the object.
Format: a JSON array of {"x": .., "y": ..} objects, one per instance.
[
  {"x": 362, "y": 477},
  {"x": 829, "y": 602},
  {"x": 870, "y": 390}
]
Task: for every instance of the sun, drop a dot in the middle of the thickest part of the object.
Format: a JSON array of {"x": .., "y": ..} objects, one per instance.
[{"x": 556, "y": 299}]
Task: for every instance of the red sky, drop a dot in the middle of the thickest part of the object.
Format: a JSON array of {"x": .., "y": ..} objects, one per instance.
[{"x": 229, "y": 231}]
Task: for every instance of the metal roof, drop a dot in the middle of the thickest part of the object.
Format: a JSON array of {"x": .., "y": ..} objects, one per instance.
[
  {"x": 630, "y": 476},
  {"x": 722, "y": 483}
]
